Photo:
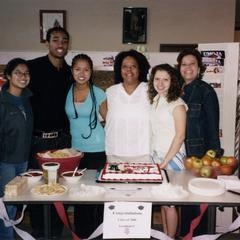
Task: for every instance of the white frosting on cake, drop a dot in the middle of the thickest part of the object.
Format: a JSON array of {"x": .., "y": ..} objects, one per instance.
[{"x": 131, "y": 171}]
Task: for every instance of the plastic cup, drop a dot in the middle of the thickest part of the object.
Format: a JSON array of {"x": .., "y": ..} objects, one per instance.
[{"x": 50, "y": 172}]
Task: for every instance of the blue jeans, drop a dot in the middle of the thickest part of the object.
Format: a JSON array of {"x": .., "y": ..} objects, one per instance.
[{"x": 7, "y": 173}]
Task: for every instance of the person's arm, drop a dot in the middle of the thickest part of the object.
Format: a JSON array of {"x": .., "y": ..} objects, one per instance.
[
  {"x": 179, "y": 116},
  {"x": 211, "y": 111},
  {"x": 103, "y": 110}
]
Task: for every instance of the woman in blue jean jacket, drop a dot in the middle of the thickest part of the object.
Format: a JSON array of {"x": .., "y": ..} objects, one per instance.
[{"x": 202, "y": 130}]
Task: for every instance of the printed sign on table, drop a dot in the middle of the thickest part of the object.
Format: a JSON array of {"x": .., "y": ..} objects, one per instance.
[{"x": 127, "y": 220}]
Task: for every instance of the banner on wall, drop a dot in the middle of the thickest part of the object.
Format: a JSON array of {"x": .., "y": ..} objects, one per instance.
[{"x": 214, "y": 62}]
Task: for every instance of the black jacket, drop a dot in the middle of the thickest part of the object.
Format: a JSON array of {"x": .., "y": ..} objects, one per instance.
[{"x": 15, "y": 130}]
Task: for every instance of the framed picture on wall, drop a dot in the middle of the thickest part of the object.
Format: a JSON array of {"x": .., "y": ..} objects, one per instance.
[
  {"x": 49, "y": 19},
  {"x": 134, "y": 25}
]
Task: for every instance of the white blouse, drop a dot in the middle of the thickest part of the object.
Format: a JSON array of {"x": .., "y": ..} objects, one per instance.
[
  {"x": 127, "y": 121},
  {"x": 162, "y": 124}
]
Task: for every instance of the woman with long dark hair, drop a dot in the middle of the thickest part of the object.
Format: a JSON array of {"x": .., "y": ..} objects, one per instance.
[{"x": 83, "y": 105}]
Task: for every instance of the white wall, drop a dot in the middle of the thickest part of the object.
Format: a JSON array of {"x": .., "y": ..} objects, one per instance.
[{"x": 96, "y": 25}]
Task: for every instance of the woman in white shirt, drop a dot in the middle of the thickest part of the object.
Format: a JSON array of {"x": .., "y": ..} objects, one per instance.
[
  {"x": 168, "y": 123},
  {"x": 127, "y": 121}
]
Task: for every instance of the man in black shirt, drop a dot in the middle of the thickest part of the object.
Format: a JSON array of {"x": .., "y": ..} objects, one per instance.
[{"x": 50, "y": 82}]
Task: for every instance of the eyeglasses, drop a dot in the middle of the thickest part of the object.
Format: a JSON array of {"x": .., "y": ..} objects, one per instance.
[{"x": 20, "y": 74}]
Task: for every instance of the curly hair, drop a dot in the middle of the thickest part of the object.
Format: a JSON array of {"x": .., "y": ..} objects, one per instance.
[
  {"x": 142, "y": 61},
  {"x": 197, "y": 55},
  {"x": 174, "y": 91}
]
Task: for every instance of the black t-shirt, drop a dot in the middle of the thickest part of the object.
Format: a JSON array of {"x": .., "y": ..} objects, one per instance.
[{"x": 50, "y": 87}]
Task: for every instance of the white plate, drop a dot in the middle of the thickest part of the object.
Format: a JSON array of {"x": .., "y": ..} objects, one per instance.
[
  {"x": 46, "y": 190},
  {"x": 206, "y": 186}
]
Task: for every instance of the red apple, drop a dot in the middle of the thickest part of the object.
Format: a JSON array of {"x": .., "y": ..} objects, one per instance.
[
  {"x": 226, "y": 169},
  {"x": 215, "y": 172},
  {"x": 211, "y": 153},
  {"x": 232, "y": 161},
  {"x": 207, "y": 161},
  {"x": 197, "y": 163},
  {"x": 196, "y": 171},
  {"x": 188, "y": 162},
  {"x": 206, "y": 171},
  {"x": 216, "y": 163}
]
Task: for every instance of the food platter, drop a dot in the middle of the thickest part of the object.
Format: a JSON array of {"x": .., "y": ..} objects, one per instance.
[{"x": 49, "y": 190}]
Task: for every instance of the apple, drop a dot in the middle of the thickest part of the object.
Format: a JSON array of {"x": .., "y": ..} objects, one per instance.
[
  {"x": 196, "y": 171},
  {"x": 197, "y": 163},
  {"x": 206, "y": 171},
  {"x": 211, "y": 153},
  {"x": 207, "y": 161},
  {"x": 223, "y": 160},
  {"x": 188, "y": 162},
  {"x": 232, "y": 161},
  {"x": 226, "y": 169},
  {"x": 216, "y": 163},
  {"x": 215, "y": 172}
]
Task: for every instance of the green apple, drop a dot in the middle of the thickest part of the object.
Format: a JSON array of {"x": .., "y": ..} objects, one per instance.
[
  {"x": 197, "y": 163},
  {"x": 211, "y": 153},
  {"x": 206, "y": 171},
  {"x": 223, "y": 160}
]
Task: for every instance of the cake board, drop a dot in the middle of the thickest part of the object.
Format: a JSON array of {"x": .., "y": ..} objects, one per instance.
[{"x": 163, "y": 172}]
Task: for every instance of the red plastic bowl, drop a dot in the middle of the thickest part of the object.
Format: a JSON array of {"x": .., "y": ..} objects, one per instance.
[{"x": 66, "y": 164}]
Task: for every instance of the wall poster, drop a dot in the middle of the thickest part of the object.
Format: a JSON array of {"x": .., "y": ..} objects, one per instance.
[{"x": 214, "y": 62}]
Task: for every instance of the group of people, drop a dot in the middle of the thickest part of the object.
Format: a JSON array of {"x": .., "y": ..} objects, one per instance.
[{"x": 46, "y": 104}]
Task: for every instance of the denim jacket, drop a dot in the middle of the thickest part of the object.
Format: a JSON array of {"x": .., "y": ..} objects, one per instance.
[{"x": 202, "y": 131}]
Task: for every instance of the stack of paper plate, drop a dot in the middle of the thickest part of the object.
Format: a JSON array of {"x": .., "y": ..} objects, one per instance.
[{"x": 206, "y": 186}]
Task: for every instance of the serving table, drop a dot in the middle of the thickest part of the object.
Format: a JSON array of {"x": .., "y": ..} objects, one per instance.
[{"x": 128, "y": 192}]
